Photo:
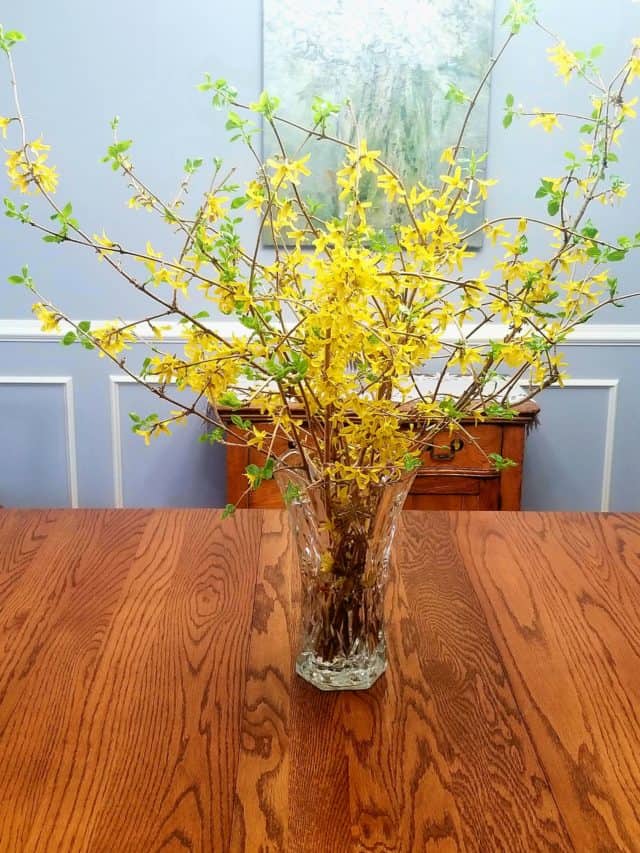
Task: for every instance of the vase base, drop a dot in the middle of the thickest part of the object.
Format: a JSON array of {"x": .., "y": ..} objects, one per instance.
[{"x": 358, "y": 672}]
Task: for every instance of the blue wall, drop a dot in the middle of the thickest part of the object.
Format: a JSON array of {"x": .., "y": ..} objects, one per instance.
[{"x": 81, "y": 65}]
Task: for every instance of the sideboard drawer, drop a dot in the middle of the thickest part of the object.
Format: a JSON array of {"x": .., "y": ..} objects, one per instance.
[
  {"x": 443, "y": 490},
  {"x": 468, "y": 448}
]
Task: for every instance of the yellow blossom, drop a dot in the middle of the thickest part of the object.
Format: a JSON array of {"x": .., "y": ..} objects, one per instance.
[
  {"x": 363, "y": 157},
  {"x": 390, "y": 185},
  {"x": 483, "y": 186},
  {"x": 140, "y": 200},
  {"x": 626, "y": 108},
  {"x": 465, "y": 357},
  {"x": 179, "y": 416},
  {"x": 38, "y": 146},
  {"x": 286, "y": 172},
  {"x": 257, "y": 437},
  {"x": 548, "y": 121},
  {"x": 256, "y": 195},
  {"x": 565, "y": 61},
  {"x": 112, "y": 338},
  {"x": 214, "y": 206},
  {"x": 494, "y": 231},
  {"x": 24, "y": 172},
  {"x": 4, "y": 124},
  {"x": 105, "y": 242},
  {"x": 49, "y": 319},
  {"x": 455, "y": 181},
  {"x": 633, "y": 68},
  {"x": 447, "y": 157}
]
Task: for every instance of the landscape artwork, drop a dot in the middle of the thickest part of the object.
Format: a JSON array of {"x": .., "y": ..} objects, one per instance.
[{"x": 402, "y": 65}]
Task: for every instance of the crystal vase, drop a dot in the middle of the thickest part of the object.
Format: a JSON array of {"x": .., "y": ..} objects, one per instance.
[{"x": 342, "y": 535}]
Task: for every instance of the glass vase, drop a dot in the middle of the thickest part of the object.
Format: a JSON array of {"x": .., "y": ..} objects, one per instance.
[{"x": 342, "y": 535}]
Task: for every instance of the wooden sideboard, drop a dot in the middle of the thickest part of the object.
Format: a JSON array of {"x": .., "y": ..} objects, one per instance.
[{"x": 455, "y": 473}]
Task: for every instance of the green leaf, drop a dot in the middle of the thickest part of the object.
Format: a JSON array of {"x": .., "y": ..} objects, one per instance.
[
  {"x": 223, "y": 93},
  {"x": 192, "y": 166},
  {"x": 214, "y": 436},
  {"x": 267, "y": 471},
  {"x": 497, "y": 410},
  {"x": 115, "y": 153},
  {"x": 69, "y": 338},
  {"x": 234, "y": 121},
  {"x": 521, "y": 13},
  {"x": 616, "y": 255},
  {"x": 455, "y": 94},
  {"x": 9, "y": 38},
  {"x": 500, "y": 463},
  {"x": 16, "y": 279},
  {"x": 553, "y": 207},
  {"x": 240, "y": 422},
  {"x": 291, "y": 493},
  {"x": 228, "y": 510},
  {"x": 507, "y": 120},
  {"x": 238, "y": 202},
  {"x": 322, "y": 111},
  {"x": 266, "y": 105},
  {"x": 411, "y": 462},
  {"x": 509, "y": 100},
  {"x": 230, "y": 399}
]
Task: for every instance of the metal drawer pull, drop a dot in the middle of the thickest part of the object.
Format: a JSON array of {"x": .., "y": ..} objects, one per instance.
[{"x": 442, "y": 453}]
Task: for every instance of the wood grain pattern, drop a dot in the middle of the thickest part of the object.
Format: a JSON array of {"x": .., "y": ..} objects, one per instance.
[
  {"x": 148, "y": 699},
  {"x": 513, "y": 445},
  {"x": 479, "y": 731},
  {"x": 123, "y": 651},
  {"x": 261, "y": 793},
  {"x": 562, "y": 593}
]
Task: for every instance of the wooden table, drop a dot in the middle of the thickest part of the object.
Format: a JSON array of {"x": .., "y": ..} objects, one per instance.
[{"x": 148, "y": 702}]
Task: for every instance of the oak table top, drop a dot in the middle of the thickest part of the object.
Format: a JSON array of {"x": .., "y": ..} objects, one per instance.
[{"x": 148, "y": 700}]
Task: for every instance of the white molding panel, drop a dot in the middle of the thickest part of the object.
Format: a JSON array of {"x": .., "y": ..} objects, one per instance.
[
  {"x": 610, "y": 429},
  {"x": 116, "y": 440},
  {"x": 70, "y": 423},
  {"x": 595, "y": 334},
  {"x": 116, "y": 435}
]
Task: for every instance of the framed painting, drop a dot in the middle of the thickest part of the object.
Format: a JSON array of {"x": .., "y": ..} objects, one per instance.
[{"x": 399, "y": 64}]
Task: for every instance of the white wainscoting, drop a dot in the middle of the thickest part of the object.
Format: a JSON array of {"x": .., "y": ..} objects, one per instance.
[
  {"x": 66, "y": 383},
  {"x": 584, "y": 343},
  {"x": 610, "y": 429}
]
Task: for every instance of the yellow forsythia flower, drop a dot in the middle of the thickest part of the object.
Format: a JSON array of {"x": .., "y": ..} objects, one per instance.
[
  {"x": 548, "y": 121},
  {"x": 565, "y": 61},
  {"x": 285, "y": 172},
  {"x": 49, "y": 319}
]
